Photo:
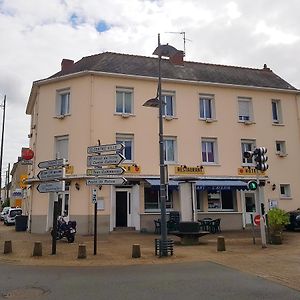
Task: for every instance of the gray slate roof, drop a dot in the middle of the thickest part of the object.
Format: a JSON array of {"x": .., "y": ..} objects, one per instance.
[{"x": 192, "y": 71}]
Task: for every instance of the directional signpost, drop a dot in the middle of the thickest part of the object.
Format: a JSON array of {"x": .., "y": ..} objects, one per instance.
[
  {"x": 52, "y": 180},
  {"x": 104, "y": 156}
]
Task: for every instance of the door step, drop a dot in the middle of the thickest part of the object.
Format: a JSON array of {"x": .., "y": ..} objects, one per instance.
[{"x": 124, "y": 229}]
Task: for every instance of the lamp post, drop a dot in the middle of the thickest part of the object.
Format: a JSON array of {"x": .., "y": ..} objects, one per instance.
[
  {"x": 161, "y": 51},
  {"x": 2, "y": 139}
]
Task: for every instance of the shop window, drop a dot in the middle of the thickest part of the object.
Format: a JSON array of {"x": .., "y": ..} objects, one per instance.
[
  {"x": 200, "y": 200},
  {"x": 221, "y": 200},
  {"x": 152, "y": 201}
]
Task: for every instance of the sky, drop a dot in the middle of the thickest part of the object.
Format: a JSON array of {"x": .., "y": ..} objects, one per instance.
[{"x": 35, "y": 35}]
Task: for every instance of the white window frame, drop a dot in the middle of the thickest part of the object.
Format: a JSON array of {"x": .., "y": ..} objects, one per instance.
[
  {"x": 287, "y": 191},
  {"x": 210, "y": 115},
  {"x": 123, "y": 138},
  {"x": 123, "y": 92},
  {"x": 247, "y": 145},
  {"x": 245, "y": 117},
  {"x": 213, "y": 142},
  {"x": 168, "y": 139},
  {"x": 63, "y": 111},
  {"x": 171, "y": 94},
  {"x": 57, "y": 140},
  {"x": 278, "y": 118},
  {"x": 280, "y": 147},
  {"x": 169, "y": 201}
]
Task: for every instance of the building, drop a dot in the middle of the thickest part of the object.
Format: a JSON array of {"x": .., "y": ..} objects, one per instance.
[{"x": 213, "y": 114}]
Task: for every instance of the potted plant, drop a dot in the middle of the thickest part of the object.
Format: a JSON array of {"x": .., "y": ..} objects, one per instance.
[{"x": 277, "y": 219}]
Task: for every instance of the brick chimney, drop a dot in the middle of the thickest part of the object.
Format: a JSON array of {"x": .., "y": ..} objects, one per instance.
[
  {"x": 66, "y": 64},
  {"x": 177, "y": 58}
]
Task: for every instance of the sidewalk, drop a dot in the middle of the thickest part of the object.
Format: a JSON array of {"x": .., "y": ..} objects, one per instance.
[{"x": 280, "y": 263}]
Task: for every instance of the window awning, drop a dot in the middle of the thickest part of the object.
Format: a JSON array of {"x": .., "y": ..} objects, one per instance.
[
  {"x": 155, "y": 183},
  {"x": 221, "y": 185}
]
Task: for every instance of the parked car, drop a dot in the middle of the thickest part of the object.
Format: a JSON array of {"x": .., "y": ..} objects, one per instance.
[
  {"x": 294, "y": 220},
  {"x": 10, "y": 217},
  {"x": 4, "y": 212}
]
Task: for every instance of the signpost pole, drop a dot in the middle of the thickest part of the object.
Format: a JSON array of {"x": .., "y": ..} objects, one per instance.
[
  {"x": 54, "y": 227},
  {"x": 95, "y": 228}
]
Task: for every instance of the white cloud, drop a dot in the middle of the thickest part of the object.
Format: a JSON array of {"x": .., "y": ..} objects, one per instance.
[{"x": 36, "y": 35}]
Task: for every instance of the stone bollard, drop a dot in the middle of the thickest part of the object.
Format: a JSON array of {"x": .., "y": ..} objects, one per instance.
[
  {"x": 7, "y": 247},
  {"x": 81, "y": 251},
  {"x": 37, "y": 249},
  {"x": 136, "y": 251},
  {"x": 221, "y": 243}
]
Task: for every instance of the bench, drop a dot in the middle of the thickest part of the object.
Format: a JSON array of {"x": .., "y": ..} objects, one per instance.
[{"x": 189, "y": 233}]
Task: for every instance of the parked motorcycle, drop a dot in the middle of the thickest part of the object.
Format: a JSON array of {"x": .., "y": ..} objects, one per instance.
[{"x": 65, "y": 229}]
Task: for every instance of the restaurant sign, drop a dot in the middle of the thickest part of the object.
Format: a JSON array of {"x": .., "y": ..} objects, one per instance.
[
  {"x": 198, "y": 170},
  {"x": 249, "y": 171}
]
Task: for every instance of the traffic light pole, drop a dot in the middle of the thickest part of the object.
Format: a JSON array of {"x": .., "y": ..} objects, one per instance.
[{"x": 260, "y": 198}]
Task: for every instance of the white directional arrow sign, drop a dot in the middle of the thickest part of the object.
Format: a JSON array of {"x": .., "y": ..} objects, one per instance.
[
  {"x": 53, "y": 163},
  {"x": 48, "y": 187},
  {"x": 105, "y": 148},
  {"x": 103, "y": 160},
  {"x": 51, "y": 174},
  {"x": 106, "y": 181},
  {"x": 107, "y": 171}
]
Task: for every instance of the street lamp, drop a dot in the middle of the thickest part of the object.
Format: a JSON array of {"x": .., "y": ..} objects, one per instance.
[
  {"x": 162, "y": 51},
  {"x": 2, "y": 139}
]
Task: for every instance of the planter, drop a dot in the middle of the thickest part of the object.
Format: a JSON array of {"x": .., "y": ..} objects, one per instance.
[{"x": 276, "y": 239}]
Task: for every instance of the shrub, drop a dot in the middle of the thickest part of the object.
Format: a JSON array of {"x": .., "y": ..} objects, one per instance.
[{"x": 277, "y": 219}]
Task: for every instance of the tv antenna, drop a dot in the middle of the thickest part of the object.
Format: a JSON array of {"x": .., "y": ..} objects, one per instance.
[{"x": 184, "y": 38}]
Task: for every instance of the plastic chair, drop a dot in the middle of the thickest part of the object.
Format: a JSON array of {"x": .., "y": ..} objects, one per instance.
[{"x": 157, "y": 226}]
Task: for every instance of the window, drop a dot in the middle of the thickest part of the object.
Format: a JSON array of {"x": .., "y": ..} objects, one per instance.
[
  {"x": 170, "y": 149},
  {"x": 127, "y": 140},
  {"x": 285, "y": 191},
  {"x": 209, "y": 151},
  {"x": 152, "y": 201},
  {"x": 245, "y": 109},
  {"x": 280, "y": 148},
  {"x": 124, "y": 101},
  {"x": 207, "y": 107},
  {"x": 63, "y": 103},
  {"x": 221, "y": 200},
  {"x": 276, "y": 112},
  {"x": 247, "y": 145},
  {"x": 61, "y": 146},
  {"x": 169, "y": 107}
]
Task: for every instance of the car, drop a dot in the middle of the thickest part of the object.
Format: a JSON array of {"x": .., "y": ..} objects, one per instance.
[
  {"x": 10, "y": 217},
  {"x": 4, "y": 212},
  {"x": 294, "y": 220}
]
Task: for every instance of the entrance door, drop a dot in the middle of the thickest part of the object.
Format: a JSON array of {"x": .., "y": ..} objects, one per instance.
[
  {"x": 250, "y": 206},
  {"x": 122, "y": 208},
  {"x": 63, "y": 203}
]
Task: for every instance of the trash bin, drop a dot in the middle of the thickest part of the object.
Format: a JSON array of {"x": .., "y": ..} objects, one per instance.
[{"x": 21, "y": 223}]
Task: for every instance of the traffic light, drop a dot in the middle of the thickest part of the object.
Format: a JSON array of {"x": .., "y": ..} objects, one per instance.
[
  {"x": 261, "y": 158},
  {"x": 248, "y": 154},
  {"x": 252, "y": 185}
]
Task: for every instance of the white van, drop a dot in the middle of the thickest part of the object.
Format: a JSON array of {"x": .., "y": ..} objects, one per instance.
[
  {"x": 4, "y": 212},
  {"x": 10, "y": 217}
]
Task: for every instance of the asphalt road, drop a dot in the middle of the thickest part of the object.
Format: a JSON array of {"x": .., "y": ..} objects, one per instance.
[{"x": 201, "y": 280}]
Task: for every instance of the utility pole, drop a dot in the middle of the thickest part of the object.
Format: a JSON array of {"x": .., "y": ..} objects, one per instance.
[
  {"x": 2, "y": 139},
  {"x": 7, "y": 182}
]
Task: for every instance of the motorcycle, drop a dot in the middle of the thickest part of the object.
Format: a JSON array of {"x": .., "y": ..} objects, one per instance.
[{"x": 65, "y": 229}]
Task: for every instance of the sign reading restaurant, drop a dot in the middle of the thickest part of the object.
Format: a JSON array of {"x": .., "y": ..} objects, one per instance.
[{"x": 199, "y": 170}]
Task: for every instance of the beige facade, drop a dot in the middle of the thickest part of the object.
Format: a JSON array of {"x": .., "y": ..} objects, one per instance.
[{"x": 206, "y": 132}]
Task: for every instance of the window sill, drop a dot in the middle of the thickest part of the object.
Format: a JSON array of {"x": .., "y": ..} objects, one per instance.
[
  {"x": 211, "y": 164},
  {"x": 124, "y": 115},
  {"x": 170, "y": 118},
  {"x": 286, "y": 198},
  {"x": 281, "y": 154},
  {"x": 247, "y": 122},
  {"x": 60, "y": 117},
  {"x": 208, "y": 120},
  {"x": 277, "y": 124}
]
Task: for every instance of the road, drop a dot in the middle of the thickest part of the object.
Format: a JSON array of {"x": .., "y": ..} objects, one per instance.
[{"x": 201, "y": 280}]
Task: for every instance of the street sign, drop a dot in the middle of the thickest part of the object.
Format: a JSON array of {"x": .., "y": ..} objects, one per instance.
[
  {"x": 257, "y": 220},
  {"x": 51, "y": 174},
  {"x": 106, "y": 181},
  {"x": 52, "y": 163},
  {"x": 17, "y": 193},
  {"x": 48, "y": 187},
  {"x": 103, "y": 160},
  {"x": 94, "y": 196},
  {"x": 105, "y": 148},
  {"x": 107, "y": 171}
]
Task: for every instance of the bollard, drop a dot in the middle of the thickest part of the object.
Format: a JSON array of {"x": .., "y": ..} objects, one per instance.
[
  {"x": 37, "y": 249},
  {"x": 136, "y": 251},
  {"x": 81, "y": 251},
  {"x": 221, "y": 243},
  {"x": 7, "y": 247}
]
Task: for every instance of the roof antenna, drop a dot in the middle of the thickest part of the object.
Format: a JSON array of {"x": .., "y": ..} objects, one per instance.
[{"x": 184, "y": 39}]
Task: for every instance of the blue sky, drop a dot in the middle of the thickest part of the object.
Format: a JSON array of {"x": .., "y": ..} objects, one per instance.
[{"x": 37, "y": 35}]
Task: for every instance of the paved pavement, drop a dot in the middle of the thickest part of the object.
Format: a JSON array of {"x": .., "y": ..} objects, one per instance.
[{"x": 279, "y": 263}]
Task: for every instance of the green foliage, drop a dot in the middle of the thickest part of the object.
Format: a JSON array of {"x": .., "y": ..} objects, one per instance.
[
  {"x": 6, "y": 203},
  {"x": 277, "y": 219}
]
